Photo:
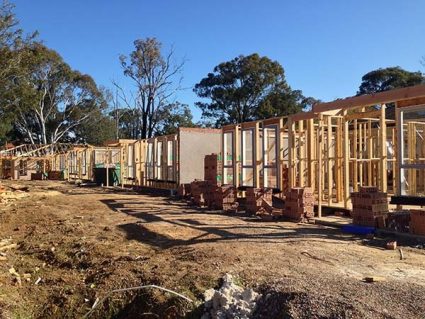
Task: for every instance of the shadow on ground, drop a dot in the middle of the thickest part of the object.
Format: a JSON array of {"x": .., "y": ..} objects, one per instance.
[{"x": 208, "y": 227}]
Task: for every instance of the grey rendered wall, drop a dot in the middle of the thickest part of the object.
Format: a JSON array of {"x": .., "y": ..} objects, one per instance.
[{"x": 194, "y": 144}]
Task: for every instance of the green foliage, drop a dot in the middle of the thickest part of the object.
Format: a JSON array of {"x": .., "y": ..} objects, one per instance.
[
  {"x": 42, "y": 99},
  {"x": 247, "y": 88},
  {"x": 48, "y": 98},
  {"x": 130, "y": 123},
  {"x": 10, "y": 33},
  {"x": 387, "y": 79},
  {"x": 172, "y": 117},
  {"x": 99, "y": 129},
  {"x": 11, "y": 40},
  {"x": 284, "y": 103}
]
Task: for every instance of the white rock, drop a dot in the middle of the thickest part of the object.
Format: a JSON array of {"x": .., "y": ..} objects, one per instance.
[
  {"x": 209, "y": 294},
  {"x": 249, "y": 295},
  {"x": 229, "y": 301}
]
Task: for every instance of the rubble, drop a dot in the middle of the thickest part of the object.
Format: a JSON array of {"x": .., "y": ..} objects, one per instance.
[
  {"x": 229, "y": 301},
  {"x": 398, "y": 221},
  {"x": 18, "y": 187},
  {"x": 391, "y": 245},
  {"x": 255, "y": 198},
  {"x": 6, "y": 244},
  {"x": 16, "y": 276},
  {"x": 12, "y": 192}
]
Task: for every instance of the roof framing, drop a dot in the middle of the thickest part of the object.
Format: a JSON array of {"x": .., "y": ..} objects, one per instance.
[{"x": 395, "y": 95}]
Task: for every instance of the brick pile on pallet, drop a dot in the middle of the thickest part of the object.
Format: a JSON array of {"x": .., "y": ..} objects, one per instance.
[
  {"x": 223, "y": 197},
  {"x": 299, "y": 204},
  {"x": 255, "y": 198},
  {"x": 200, "y": 191},
  {"x": 370, "y": 207},
  {"x": 417, "y": 222},
  {"x": 213, "y": 168}
]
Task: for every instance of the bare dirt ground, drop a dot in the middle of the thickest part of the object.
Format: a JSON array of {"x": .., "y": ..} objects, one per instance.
[{"x": 76, "y": 244}]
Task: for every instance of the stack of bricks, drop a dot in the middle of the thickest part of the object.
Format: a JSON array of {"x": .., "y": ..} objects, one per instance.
[
  {"x": 223, "y": 197},
  {"x": 370, "y": 207},
  {"x": 255, "y": 198},
  {"x": 212, "y": 169},
  {"x": 200, "y": 191},
  {"x": 183, "y": 190},
  {"x": 299, "y": 204},
  {"x": 54, "y": 175},
  {"x": 417, "y": 222}
]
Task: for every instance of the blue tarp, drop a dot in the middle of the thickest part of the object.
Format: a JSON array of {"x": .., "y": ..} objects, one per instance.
[{"x": 358, "y": 230}]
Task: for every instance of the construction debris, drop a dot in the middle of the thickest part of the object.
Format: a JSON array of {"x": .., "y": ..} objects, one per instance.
[
  {"x": 6, "y": 244},
  {"x": 17, "y": 276},
  {"x": 267, "y": 212},
  {"x": 373, "y": 279},
  {"x": 401, "y": 253},
  {"x": 398, "y": 221},
  {"x": 256, "y": 197},
  {"x": 229, "y": 301},
  {"x": 7, "y": 247},
  {"x": 391, "y": 245},
  {"x": 12, "y": 193},
  {"x": 18, "y": 187}
]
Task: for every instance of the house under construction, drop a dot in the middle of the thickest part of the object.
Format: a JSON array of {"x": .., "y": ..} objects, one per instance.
[
  {"x": 336, "y": 148},
  {"x": 159, "y": 162}
]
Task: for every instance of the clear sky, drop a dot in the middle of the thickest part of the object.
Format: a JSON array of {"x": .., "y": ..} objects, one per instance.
[{"x": 325, "y": 46}]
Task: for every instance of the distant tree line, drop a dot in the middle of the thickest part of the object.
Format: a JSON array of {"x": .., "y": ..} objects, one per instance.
[{"x": 43, "y": 100}]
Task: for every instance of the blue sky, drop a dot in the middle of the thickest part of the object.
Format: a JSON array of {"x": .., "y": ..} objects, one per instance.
[{"x": 324, "y": 46}]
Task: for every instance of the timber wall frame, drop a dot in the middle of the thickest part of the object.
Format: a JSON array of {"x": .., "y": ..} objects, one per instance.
[
  {"x": 156, "y": 162},
  {"x": 41, "y": 158},
  {"x": 161, "y": 162},
  {"x": 372, "y": 140},
  {"x": 335, "y": 148},
  {"x": 78, "y": 163}
]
